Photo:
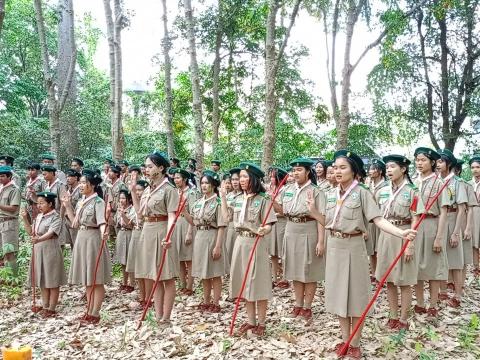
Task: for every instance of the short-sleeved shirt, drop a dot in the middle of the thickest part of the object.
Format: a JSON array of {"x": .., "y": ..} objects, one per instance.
[
  {"x": 400, "y": 207},
  {"x": 208, "y": 212},
  {"x": 159, "y": 201},
  {"x": 57, "y": 187},
  {"x": 472, "y": 198},
  {"x": 255, "y": 211},
  {"x": 192, "y": 195},
  {"x": 456, "y": 191},
  {"x": 114, "y": 193},
  {"x": 92, "y": 212},
  {"x": 427, "y": 190},
  {"x": 231, "y": 198},
  {"x": 324, "y": 185},
  {"x": 47, "y": 222},
  {"x": 130, "y": 215},
  {"x": 296, "y": 205},
  {"x": 36, "y": 186},
  {"x": 356, "y": 211},
  {"x": 10, "y": 196}
]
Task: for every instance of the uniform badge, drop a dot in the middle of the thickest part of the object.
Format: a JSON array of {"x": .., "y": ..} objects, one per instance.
[
  {"x": 406, "y": 196},
  {"x": 256, "y": 203},
  {"x": 354, "y": 196}
]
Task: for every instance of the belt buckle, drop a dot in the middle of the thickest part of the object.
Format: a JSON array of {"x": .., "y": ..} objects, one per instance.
[
  {"x": 337, "y": 234},
  {"x": 295, "y": 220},
  {"x": 82, "y": 227}
]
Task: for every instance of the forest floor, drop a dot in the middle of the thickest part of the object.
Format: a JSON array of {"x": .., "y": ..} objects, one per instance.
[{"x": 194, "y": 335}]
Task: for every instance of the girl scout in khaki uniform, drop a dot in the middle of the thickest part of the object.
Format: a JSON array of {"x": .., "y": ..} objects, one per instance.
[
  {"x": 430, "y": 252},
  {"x": 377, "y": 174},
  {"x": 124, "y": 222},
  {"x": 456, "y": 214},
  {"x": 398, "y": 202},
  {"x": 348, "y": 210},
  {"x": 137, "y": 186},
  {"x": 34, "y": 186},
  {"x": 475, "y": 168},
  {"x": 277, "y": 234},
  {"x": 303, "y": 256},
  {"x": 321, "y": 173},
  {"x": 73, "y": 188},
  {"x": 184, "y": 233},
  {"x": 48, "y": 270},
  {"x": 89, "y": 218},
  {"x": 250, "y": 210},
  {"x": 157, "y": 208},
  {"x": 208, "y": 258}
]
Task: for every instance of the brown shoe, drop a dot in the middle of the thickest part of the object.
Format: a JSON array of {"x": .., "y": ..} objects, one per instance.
[
  {"x": 295, "y": 311},
  {"x": 443, "y": 296},
  {"x": 214, "y": 308},
  {"x": 306, "y": 313},
  {"x": 203, "y": 307},
  {"x": 36, "y": 309},
  {"x": 338, "y": 348},
  {"x": 401, "y": 325},
  {"x": 454, "y": 302},
  {"x": 432, "y": 312},
  {"x": 392, "y": 323},
  {"x": 354, "y": 352},
  {"x": 420, "y": 310},
  {"x": 283, "y": 284},
  {"x": 244, "y": 328},
  {"x": 259, "y": 330}
]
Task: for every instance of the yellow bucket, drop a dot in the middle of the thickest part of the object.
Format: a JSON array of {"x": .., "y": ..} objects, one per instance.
[{"x": 23, "y": 353}]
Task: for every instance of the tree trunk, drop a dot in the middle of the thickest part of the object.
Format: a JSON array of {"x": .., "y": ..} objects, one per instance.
[
  {"x": 444, "y": 76},
  {"x": 2, "y": 14},
  {"x": 66, "y": 48},
  {"x": 216, "y": 78},
  {"x": 166, "y": 44},
  {"x": 195, "y": 79},
  {"x": 118, "y": 150}
]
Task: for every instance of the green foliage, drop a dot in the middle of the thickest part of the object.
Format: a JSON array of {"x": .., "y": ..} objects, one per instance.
[{"x": 468, "y": 334}]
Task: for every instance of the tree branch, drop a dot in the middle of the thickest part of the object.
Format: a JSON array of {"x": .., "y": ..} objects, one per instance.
[
  {"x": 68, "y": 82},
  {"x": 287, "y": 34}
]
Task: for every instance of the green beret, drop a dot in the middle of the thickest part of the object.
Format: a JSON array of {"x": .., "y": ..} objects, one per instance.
[
  {"x": 289, "y": 168},
  {"x": 123, "y": 162},
  {"x": 399, "y": 159},
  {"x": 302, "y": 162},
  {"x": 48, "y": 156},
  {"x": 73, "y": 172},
  {"x": 212, "y": 174},
  {"x": 134, "y": 168},
  {"x": 115, "y": 169},
  {"x": 172, "y": 171},
  {"x": 429, "y": 153},
  {"x": 350, "y": 155},
  {"x": 252, "y": 169},
  {"x": 162, "y": 157},
  {"x": 281, "y": 173},
  {"x": 378, "y": 163},
  {"x": 328, "y": 163},
  {"x": 7, "y": 158},
  {"x": 460, "y": 162},
  {"x": 49, "y": 168},
  {"x": 110, "y": 161},
  {"x": 142, "y": 183},
  {"x": 47, "y": 194},
  {"x": 182, "y": 172},
  {"x": 216, "y": 162},
  {"x": 474, "y": 158},
  {"x": 449, "y": 155},
  {"x": 78, "y": 161},
  {"x": 5, "y": 170},
  {"x": 235, "y": 170},
  {"x": 192, "y": 160},
  {"x": 33, "y": 166},
  {"x": 175, "y": 160}
]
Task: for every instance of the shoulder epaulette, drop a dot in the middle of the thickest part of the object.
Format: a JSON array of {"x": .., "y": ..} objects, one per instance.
[
  {"x": 314, "y": 185},
  {"x": 458, "y": 178},
  {"x": 264, "y": 195},
  {"x": 219, "y": 200},
  {"x": 98, "y": 199},
  {"x": 412, "y": 186},
  {"x": 364, "y": 186}
]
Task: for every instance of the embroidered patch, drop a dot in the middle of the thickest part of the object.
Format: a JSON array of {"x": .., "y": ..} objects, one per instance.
[
  {"x": 288, "y": 194},
  {"x": 331, "y": 200},
  {"x": 406, "y": 196},
  {"x": 238, "y": 204},
  {"x": 212, "y": 205},
  {"x": 354, "y": 196},
  {"x": 198, "y": 206},
  {"x": 256, "y": 203},
  {"x": 384, "y": 195}
]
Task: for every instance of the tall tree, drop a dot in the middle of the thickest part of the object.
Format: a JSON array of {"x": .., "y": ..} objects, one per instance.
[
  {"x": 57, "y": 96},
  {"x": 195, "y": 79},
  {"x": 166, "y": 45},
  {"x": 66, "y": 48},
  {"x": 216, "y": 77},
  {"x": 272, "y": 63},
  {"x": 2, "y": 14}
]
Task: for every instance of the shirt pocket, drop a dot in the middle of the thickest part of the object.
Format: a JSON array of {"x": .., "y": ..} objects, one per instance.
[
  {"x": 402, "y": 207},
  {"x": 253, "y": 214},
  {"x": 352, "y": 210}
]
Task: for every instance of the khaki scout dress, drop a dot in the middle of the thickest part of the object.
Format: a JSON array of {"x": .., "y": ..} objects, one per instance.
[
  {"x": 431, "y": 265},
  {"x": 300, "y": 241},
  {"x": 113, "y": 200},
  {"x": 231, "y": 234},
  {"x": 157, "y": 202},
  {"x": 347, "y": 276},
  {"x": 468, "y": 244},
  {"x": 68, "y": 233},
  {"x": 58, "y": 188},
  {"x": 389, "y": 246},
  {"x": 207, "y": 213},
  {"x": 132, "y": 248},
  {"x": 9, "y": 195},
  {"x": 49, "y": 270},
  {"x": 373, "y": 232},
  {"x": 476, "y": 215},
  {"x": 277, "y": 234},
  {"x": 185, "y": 251},
  {"x": 259, "y": 281},
  {"x": 91, "y": 215},
  {"x": 457, "y": 194},
  {"x": 122, "y": 244}
]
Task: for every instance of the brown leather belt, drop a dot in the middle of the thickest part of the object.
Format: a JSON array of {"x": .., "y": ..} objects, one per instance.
[
  {"x": 246, "y": 233},
  {"x": 85, "y": 227},
  {"x": 399, "y": 222},
  {"x": 205, "y": 227},
  {"x": 125, "y": 229},
  {"x": 343, "y": 235},
  {"x": 156, "y": 218},
  {"x": 451, "y": 209},
  {"x": 431, "y": 216},
  {"x": 300, "y": 219},
  {"x": 7, "y": 218},
  {"x": 138, "y": 227}
]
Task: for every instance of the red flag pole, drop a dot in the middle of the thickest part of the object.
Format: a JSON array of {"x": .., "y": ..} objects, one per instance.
[
  {"x": 180, "y": 208},
  {"x": 257, "y": 238},
  {"x": 345, "y": 347}
]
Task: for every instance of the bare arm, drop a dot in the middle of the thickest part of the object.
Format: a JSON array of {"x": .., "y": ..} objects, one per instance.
[{"x": 388, "y": 227}]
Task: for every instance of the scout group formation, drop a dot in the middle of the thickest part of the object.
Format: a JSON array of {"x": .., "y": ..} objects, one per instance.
[{"x": 330, "y": 222}]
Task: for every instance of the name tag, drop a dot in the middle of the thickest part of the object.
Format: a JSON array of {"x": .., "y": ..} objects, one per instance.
[
  {"x": 331, "y": 200},
  {"x": 288, "y": 194}
]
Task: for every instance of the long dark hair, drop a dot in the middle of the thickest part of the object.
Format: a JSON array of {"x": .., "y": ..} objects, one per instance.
[
  {"x": 406, "y": 167},
  {"x": 382, "y": 169},
  {"x": 95, "y": 180},
  {"x": 255, "y": 185},
  {"x": 215, "y": 184},
  {"x": 448, "y": 161},
  {"x": 127, "y": 194},
  {"x": 354, "y": 166},
  {"x": 158, "y": 160}
]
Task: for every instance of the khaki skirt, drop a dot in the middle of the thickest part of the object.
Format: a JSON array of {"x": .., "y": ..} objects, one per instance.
[
  {"x": 299, "y": 258},
  {"x": 372, "y": 237},
  {"x": 454, "y": 254},
  {"x": 229, "y": 245},
  {"x": 476, "y": 227},
  {"x": 67, "y": 233},
  {"x": 347, "y": 280},
  {"x": 122, "y": 245},
  {"x": 259, "y": 280},
  {"x": 184, "y": 251},
  {"x": 388, "y": 247},
  {"x": 276, "y": 237},
  {"x": 203, "y": 266},
  {"x": 431, "y": 265},
  {"x": 150, "y": 251},
  {"x": 48, "y": 266},
  {"x": 84, "y": 257},
  {"x": 132, "y": 250}
]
